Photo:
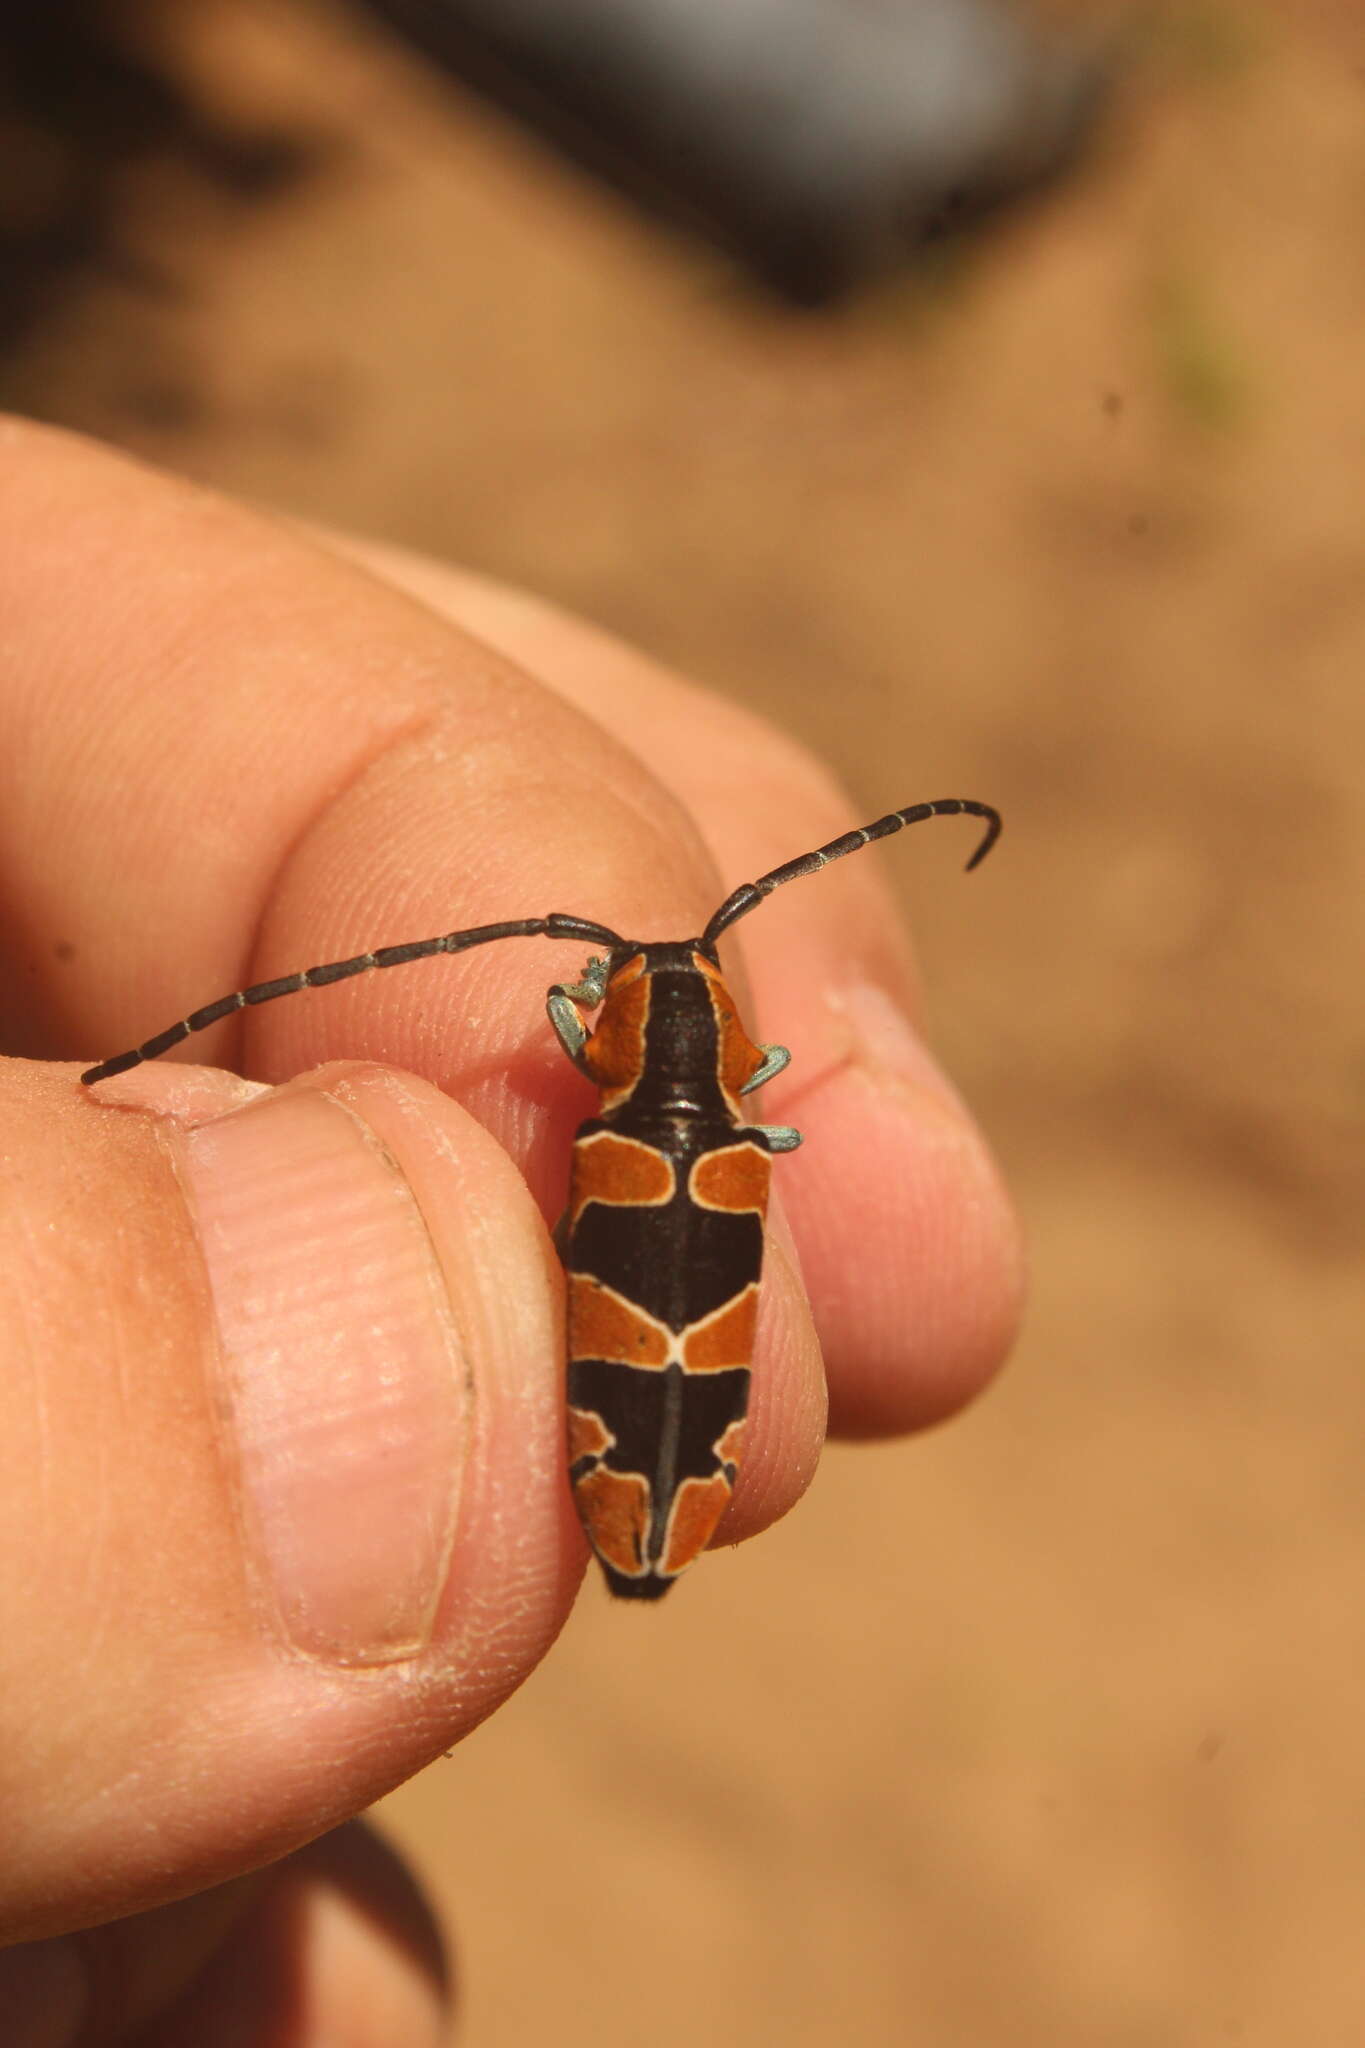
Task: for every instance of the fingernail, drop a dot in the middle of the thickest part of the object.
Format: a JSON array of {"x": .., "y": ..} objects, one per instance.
[
  {"x": 44, "y": 1994},
  {"x": 341, "y": 1368}
]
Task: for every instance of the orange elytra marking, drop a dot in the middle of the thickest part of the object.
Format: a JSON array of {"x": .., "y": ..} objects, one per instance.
[
  {"x": 726, "y": 1339},
  {"x": 614, "y": 1056},
  {"x": 603, "y": 1324},
  {"x": 731, "y": 1446},
  {"x": 734, "y": 1179},
  {"x": 589, "y": 1436},
  {"x": 697, "y": 1508},
  {"x": 615, "y": 1508},
  {"x": 609, "y": 1168}
]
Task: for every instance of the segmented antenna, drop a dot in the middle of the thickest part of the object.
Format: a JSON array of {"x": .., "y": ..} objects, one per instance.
[
  {"x": 556, "y": 926},
  {"x": 750, "y": 894}
]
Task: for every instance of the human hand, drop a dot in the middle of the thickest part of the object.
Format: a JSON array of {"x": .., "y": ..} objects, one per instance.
[{"x": 284, "y": 1510}]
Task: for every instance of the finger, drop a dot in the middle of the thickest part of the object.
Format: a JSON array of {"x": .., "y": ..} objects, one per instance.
[
  {"x": 282, "y": 1510},
  {"x": 264, "y": 758},
  {"x": 908, "y": 1244},
  {"x": 82, "y": 1990},
  {"x": 335, "y": 1943},
  {"x": 341, "y": 1947}
]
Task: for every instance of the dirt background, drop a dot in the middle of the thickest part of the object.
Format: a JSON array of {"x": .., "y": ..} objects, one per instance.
[{"x": 1075, "y": 521}]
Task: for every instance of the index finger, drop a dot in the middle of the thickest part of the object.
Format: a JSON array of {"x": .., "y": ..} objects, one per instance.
[
  {"x": 908, "y": 1244},
  {"x": 263, "y": 757}
]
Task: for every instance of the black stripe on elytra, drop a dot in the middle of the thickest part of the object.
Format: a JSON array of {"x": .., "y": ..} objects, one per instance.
[
  {"x": 675, "y": 1260},
  {"x": 666, "y": 1425}
]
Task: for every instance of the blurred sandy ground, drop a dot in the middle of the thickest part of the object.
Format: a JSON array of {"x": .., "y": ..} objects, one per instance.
[{"x": 1046, "y": 1729}]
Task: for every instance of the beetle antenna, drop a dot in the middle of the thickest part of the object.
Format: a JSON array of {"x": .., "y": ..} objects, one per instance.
[
  {"x": 750, "y": 894},
  {"x": 557, "y": 926}
]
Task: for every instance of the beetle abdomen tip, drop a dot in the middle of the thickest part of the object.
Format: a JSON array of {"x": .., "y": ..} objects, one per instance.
[{"x": 649, "y": 1587}]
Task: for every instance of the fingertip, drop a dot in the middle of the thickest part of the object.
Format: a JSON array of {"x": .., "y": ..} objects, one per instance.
[
  {"x": 930, "y": 1336},
  {"x": 915, "y": 1271}
]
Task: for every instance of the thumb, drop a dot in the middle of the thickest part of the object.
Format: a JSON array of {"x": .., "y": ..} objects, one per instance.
[{"x": 282, "y": 1510}]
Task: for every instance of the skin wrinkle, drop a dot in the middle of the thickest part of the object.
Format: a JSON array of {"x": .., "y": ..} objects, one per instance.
[
  {"x": 342, "y": 787},
  {"x": 927, "y": 1102},
  {"x": 443, "y": 1379},
  {"x": 928, "y": 1091},
  {"x": 165, "y": 1125},
  {"x": 633, "y": 783},
  {"x": 429, "y": 729},
  {"x": 18, "y": 1319},
  {"x": 212, "y": 1374},
  {"x": 440, "y": 1142},
  {"x": 459, "y": 1353},
  {"x": 635, "y": 775},
  {"x": 96, "y": 1504},
  {"x": 605, "y": 679},
  {"x": 489, "y": 1628},
  {"x": 179, "y": 640}
]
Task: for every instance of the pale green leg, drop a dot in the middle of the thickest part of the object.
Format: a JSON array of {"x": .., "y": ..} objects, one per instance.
[
  {"x": 562, "y": 1002},
  {"x": 780, "y": 1137},
  {"x": 775, "y": 1058}
]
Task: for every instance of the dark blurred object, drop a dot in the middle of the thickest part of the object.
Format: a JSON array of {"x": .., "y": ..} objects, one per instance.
[
  {"x": 818, "y": 139},
  {"x": 84, "y": 101}
]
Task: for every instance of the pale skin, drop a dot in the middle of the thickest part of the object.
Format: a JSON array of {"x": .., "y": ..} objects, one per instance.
[{"x": 229, "y": 749}]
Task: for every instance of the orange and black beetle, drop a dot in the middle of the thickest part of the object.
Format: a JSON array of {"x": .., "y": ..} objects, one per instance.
[{"x": 662, "y": 1242}]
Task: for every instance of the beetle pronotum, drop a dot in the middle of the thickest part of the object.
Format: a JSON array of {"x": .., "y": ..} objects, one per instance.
[{"x": 662, "y": 1241}]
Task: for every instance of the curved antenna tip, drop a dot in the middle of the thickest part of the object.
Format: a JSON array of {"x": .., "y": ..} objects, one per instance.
[{"x": 994, "y": 827}]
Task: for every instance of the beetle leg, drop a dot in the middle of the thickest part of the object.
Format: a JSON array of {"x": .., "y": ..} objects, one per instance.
[
  {"x": 562, "y": 1006},
  {"x": 592, "y": 987},
  {"x": 570, "y": 1029},
  {"x": 775, "y": 1058},
  {"x": 780, "y": 1137}
]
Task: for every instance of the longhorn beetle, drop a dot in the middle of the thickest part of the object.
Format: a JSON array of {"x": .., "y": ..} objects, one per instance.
[{"x": 662, "y": 1241}]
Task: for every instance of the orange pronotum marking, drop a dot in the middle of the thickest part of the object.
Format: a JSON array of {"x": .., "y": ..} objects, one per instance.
[
  {"x": 725, "y": 1339},
  {"x": 614, "y": 1055},
  {"x": 740, "y": 1059},
  {"x": 736, "y": 1178},
  {"x": 605, "y": 1325},
  {"x": 623, "y": 1171},
  {"x": 699, "y": 1505},
  {"x": 615, "y": 1509}
]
